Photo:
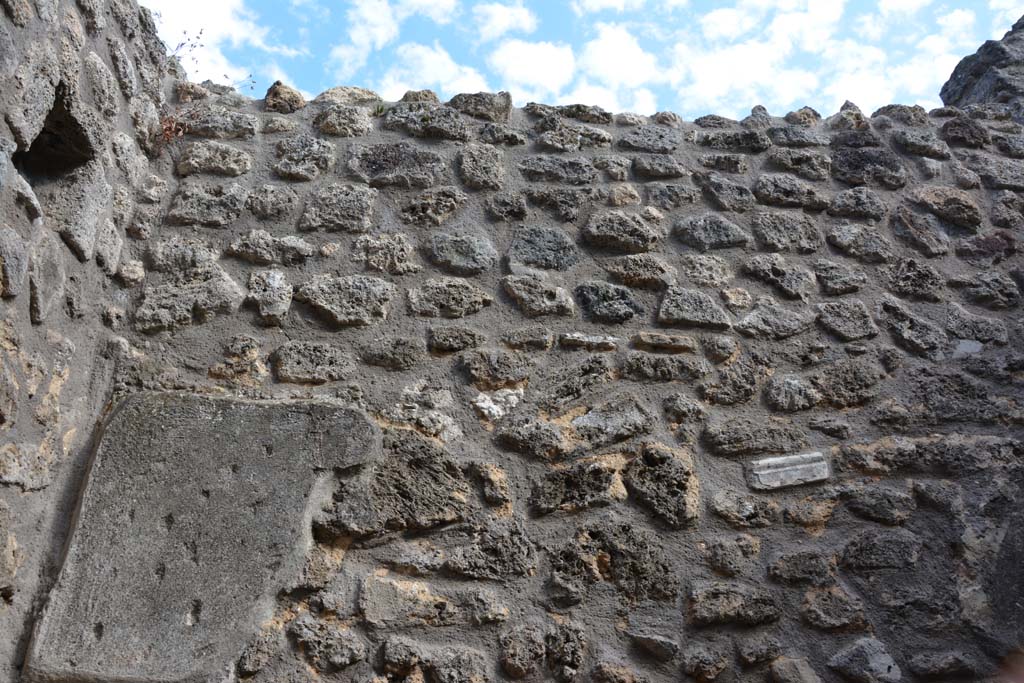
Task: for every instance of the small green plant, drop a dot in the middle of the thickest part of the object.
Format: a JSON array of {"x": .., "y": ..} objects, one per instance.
[{"x": 379, "y": 110}]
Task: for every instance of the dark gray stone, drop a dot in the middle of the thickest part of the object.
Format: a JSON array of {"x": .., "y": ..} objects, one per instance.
[
  {"x": 866, "y": 661},
  {"x": 691, "y": 308},
  {"x": 569, "y": 170},
  {"x": 176, "y": 505},
  {"x": 621, "y": 232},
  {"x": 480, "y": 167},
  {"x": 710, "y": 231},
  {"x": 462, "y": 254},
  {"x": 540, "y": 247},
  {"x": 605, "y": 302},
  {"x": 426, "y": 120},
  {"x": 785, "y": 231},
  {"x": 536, "y": 297},
  {"x": 654, "y": 139},
  {"x": 396, "y": 164},
  {"x": 307, "y": 362},
  {"x": 484, "y": 105}
]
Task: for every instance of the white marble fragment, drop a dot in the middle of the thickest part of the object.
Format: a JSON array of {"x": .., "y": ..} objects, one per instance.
[{"x": 787, "y": 470}]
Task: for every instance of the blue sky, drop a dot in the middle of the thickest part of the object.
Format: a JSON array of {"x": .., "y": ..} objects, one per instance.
[{"x": 692, "y": 57}]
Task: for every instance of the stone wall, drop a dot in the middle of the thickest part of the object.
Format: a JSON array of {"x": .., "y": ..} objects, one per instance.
[{"x": 487, "y": 393}]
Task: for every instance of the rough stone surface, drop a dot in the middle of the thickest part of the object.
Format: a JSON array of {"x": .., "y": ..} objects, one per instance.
[
  {"x": 578, "y": 331},
  {"x": 206, "y": 567}
]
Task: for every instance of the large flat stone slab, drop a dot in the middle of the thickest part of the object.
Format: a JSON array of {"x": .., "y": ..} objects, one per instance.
[{"x": 195, "y": 513}]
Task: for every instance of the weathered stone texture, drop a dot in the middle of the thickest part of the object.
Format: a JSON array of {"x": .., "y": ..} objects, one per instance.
[{"x": 715, "y": 400}]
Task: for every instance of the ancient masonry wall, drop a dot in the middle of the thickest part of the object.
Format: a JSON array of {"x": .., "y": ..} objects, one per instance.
[{"x": 621, "y": 398}]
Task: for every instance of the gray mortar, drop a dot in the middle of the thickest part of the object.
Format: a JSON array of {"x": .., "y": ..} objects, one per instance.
[{"x": 560, "y": 490}]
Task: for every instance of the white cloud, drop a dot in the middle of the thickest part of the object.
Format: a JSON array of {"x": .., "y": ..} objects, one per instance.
[
  {"x": 1005, "y": 14},
  {"x": 223, "y": 23},
  {"x": 870, "y": 27},
  {"x": 584, "y": 6},
  {"x": 644, "y": 102},
  {"x": 373, "y": 24},
  {"x": 274, "y": 72},
  {"x": 438, "y": 11},
  {"x": 727, "y": 22},
  {"x": 588, "y": 93},
  {"x": 535, "y": 70},
  {"x": 495, "y": 19},
  {"x": 420, "y": 66},
  {"x": 887, "y": 7},
  {"x": 616, "y": 59}
]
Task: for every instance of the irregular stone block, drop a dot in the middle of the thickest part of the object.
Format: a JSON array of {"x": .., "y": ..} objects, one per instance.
[
  {"x": 348, "y": 300},
  {"x": 215, "y": 158},
  {"x": 13, "y": 263},
  {"x": 46, "y": 277},
  {"x": 787, "y": 470},
  {"x": 348, "y": 208},
  {"x": 303, "y": 158},
  {"x": 205, "y": 293},
  {"x": 211, "y": 205},
  {"x": 198, "y": 507},
  {"x": 398, "y": 164},
  {"x": 343, "y": 121}
]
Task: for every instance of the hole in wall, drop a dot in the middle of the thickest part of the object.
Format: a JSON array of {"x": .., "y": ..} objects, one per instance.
[{"x": 61, "y": 146}]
